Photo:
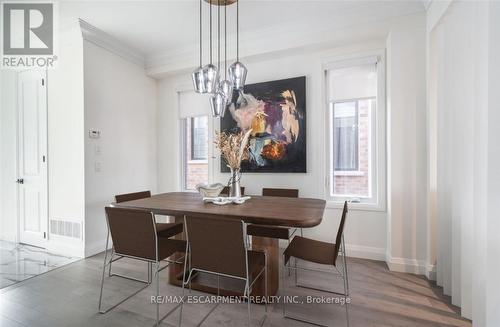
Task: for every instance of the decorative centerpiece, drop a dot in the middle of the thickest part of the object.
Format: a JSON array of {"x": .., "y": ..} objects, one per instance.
[
  {"x": 234, "y": 150},
  {"x": 209, "y": 190}
]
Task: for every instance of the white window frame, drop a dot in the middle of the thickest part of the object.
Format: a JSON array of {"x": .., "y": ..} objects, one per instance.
[
  {"x": 183, "y": 161},
  {"x": 378, "y": 182},
  {"x": 185, "y": 156}
]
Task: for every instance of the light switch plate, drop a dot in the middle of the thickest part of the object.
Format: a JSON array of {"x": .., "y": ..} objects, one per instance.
[{"x": 94, "y": 134}]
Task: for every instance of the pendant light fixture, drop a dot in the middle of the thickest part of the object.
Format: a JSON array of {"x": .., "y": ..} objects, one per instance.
[
  {"x": 238, "y": 71},
  {"x": 210, "y": 71},
  {"x": 208, "y": 78},
  {"x": 226, "y": 86},
  {"x": 198, "y": 76},
  {"x": 218, "y": 100}
]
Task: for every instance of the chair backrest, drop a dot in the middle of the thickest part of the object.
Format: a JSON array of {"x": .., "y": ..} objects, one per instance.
[
  {"x": 340, "y": 231},
  {"x": 225, "y": 190},
  {"x": 133, "y": 232},
  {"x": 217, "y": 245},
  {"x": 281, "y": 192},
  {"x": 132, "y": 196}
]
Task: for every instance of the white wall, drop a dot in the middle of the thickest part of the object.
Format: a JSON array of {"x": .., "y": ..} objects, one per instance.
[
  {"x": 65, "y": 138},
  {"x": 493, "y": 230},
  {"x": 120, "y": 102},
  {"x": 366, "y": 231},
  {"x": 8, "y": 155},
  {"x": 406, "y": 133}
]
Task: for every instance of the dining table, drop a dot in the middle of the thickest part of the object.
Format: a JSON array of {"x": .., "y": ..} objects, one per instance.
[{"x": 261, "y": 210}]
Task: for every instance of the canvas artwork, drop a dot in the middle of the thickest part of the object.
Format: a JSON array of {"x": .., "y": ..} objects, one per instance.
[{"x": 276, "y": 113}]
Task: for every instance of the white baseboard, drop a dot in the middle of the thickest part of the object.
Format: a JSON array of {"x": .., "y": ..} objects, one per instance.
[
  {"x": 65, "y": 246},
  {"x": 355, "y": 251},
  {"x": 365, "y": 252},
  {"x": 431, "y": 272},
  {"x": 412, "y": 266},
  {"x": 96, "y": 247}
]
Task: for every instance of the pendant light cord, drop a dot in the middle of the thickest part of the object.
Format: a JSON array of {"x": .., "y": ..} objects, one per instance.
[
  {"x": 201, "y": 32},
  {"x": 210, "y": 4},
  {"x": 225, "y": 39},
  {"x": 218, "y": 35},
  {"x": 237, "y": 30}
]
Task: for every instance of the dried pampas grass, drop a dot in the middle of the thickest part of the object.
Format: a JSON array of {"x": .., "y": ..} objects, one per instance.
[{"x": 233, "y": 147}]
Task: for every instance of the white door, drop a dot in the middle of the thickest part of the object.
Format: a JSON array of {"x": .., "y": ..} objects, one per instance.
[{"x": 32, "y": 157}]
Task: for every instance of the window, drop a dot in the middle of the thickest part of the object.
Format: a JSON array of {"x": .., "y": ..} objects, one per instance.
[
  {"x": 345, "y": 136},
  {"x": 199, "y": 138},
  {"x": 355, "y": 131},
  {"x": 195, "y": 151}
]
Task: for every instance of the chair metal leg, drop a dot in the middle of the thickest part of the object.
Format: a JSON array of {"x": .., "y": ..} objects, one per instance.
[
  {"x": 289, "y": 270},
  {"x": 283, "y": 287},
  {"x": 344, "y": 255},
  {"x": 103, "y": 270},
  {"x": 295, "y": 260},
  {"x": 248, "y": 300},
  {"x": 266, "y": 294},
  {"x": 343, "y": 275},
  {"x": 111, "y": 261},
  {"x": 157, "y": 274}
]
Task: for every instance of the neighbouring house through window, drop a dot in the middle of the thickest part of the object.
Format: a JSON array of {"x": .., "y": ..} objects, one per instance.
[{"x": 195, "y": 151}]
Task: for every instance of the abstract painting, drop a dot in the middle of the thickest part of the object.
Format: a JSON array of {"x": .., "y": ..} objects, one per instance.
[{"x": 276, "y": 113}]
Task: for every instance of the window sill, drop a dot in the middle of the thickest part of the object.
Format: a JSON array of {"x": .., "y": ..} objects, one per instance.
[
  {"x": 197, "y": 162},
  {"x": 331, "y": 204},
  {"x": 348, "y": 173}
]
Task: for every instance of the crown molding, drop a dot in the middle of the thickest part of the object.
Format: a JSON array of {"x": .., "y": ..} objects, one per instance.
[{"x": 100, "y": 38}]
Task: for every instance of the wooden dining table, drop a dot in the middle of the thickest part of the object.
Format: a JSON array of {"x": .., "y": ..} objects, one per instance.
[{"x": 262, "y": 210}]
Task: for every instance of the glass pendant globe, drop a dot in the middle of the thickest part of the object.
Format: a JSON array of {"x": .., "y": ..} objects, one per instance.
[
  {"x": 226, "y": 87},
  {"x": 218, "y": 104},
  {"x": 210, "y": 78},
  {"x": 199, "y": 82},
  {"x": 237, "y": 75}
]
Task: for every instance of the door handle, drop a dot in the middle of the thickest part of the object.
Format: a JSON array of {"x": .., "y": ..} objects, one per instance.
[{"x": 20, "y": 181}]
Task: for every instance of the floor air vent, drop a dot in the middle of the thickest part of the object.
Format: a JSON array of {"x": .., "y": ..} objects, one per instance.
[{"x": 65, "y": 228}]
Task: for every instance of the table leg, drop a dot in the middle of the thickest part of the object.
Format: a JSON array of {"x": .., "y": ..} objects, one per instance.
[{"x": 271, "y": 247}]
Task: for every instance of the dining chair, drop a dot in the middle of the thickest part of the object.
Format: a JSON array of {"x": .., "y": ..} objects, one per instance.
[
  {"x": 225, "y": 190},
  {"x": 221, "y": 247},
  {"x": 283, "y": 233},
  {"x": 163, "y": 229},
  {"x": 134, "y": 236},
  {"x": 322, "y": 253}
]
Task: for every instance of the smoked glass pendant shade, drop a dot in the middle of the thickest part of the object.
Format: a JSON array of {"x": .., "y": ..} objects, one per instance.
[
  {"x": 226, "y": 87},
  {"x": 237, "y": 75},
  {"x": 210, "y": 78},
  {"x": 199, "y": 82},
  {"x": 218, "y": 104}
]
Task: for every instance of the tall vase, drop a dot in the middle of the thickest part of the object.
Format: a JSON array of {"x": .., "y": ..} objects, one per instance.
[{"x": 234, "y": 183}]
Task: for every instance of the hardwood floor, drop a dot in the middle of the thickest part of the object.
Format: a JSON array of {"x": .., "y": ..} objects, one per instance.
[{"x": 68, "y": 296}]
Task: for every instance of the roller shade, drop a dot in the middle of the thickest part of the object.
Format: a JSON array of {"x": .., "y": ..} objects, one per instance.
[{"x": 192, "y": 104}]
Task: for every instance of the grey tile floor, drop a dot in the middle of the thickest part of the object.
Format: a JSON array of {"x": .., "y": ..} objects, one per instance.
[
  {"x": 68, "y": 296},
  {"x": 19, "y": 262}
]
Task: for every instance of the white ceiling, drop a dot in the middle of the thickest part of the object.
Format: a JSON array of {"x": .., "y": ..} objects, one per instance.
[{"x": 160, "y": 28}]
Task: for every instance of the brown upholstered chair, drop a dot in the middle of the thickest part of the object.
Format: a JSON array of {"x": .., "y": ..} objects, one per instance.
[
  {"x": 163, "y": 229},
  {"x": 225, "y": 191},
  {"x": 221, "y": 247},
  {"x": 283, "y": 233},
  {"x": 318, "y": 252},
  {"x": 134, "y": 236}
]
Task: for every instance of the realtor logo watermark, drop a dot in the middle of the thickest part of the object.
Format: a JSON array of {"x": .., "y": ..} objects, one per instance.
[{"x": 28, "y": 35}]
